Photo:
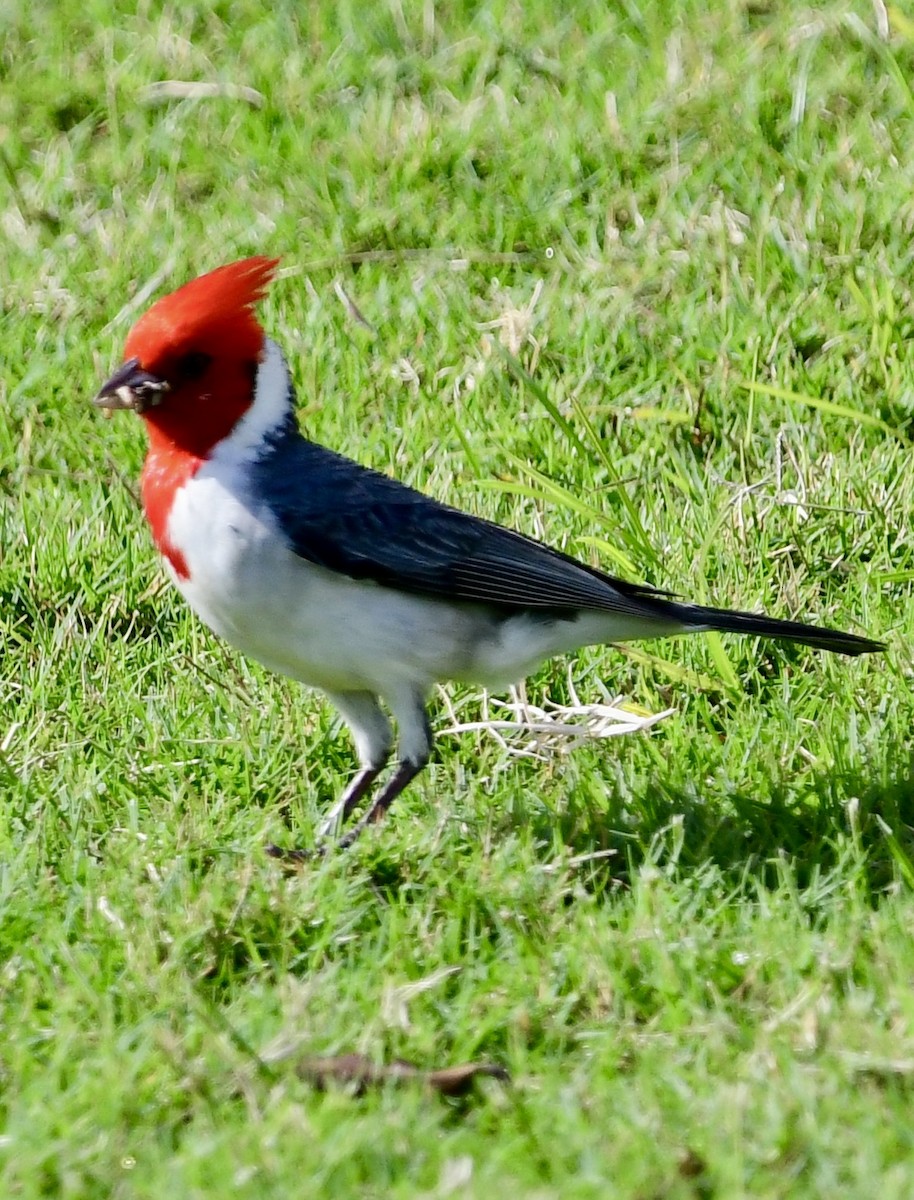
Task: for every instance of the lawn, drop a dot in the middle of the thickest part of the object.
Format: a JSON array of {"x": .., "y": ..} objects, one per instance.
[{"x": 632, "y": 277}]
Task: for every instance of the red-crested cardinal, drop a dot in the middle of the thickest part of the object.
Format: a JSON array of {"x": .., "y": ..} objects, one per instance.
[{"x": 336, "y": 575}]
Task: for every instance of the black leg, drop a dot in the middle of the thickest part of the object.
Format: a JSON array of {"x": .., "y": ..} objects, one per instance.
[
  {"x": 344, "y": 807},
  {"x": 415, "y": 750},
  {"x": 371, "y": 732},
  {"x": 371, "y": 729},
  {"x": 405, "y": 773},
  {"x": 358, "y": 788}
]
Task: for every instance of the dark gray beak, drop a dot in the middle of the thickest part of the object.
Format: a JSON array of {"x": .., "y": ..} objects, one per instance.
[{"x": 132, "y": 387}]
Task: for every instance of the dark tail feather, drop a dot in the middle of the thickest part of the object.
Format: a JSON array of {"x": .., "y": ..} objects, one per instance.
[{"x": 788, "y": 631}]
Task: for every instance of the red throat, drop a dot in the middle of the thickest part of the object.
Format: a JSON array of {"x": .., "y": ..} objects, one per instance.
[
  {"x": 166, "y": 470},
  {"x": 205, "y": 342},
  {"x": 181, "y": 441}
]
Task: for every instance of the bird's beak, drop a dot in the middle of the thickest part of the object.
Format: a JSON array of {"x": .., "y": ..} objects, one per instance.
[{"x": 132, "y": 387}]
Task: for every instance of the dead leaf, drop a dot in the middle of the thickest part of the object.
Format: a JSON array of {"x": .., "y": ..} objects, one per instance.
[
  {"x": 456, "y": 1081},
  {"x": 691, "y": 1165},
  {"x": 360, "y": 1073}
]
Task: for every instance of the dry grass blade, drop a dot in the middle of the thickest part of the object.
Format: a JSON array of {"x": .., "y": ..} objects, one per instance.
[
  {"x": 166, "y": 90},
  {"x": 351, "y": 307},
  {"x": 544, "y": 730}
]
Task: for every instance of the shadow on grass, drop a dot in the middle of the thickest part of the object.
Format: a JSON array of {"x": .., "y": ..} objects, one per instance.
[
  {"x": 855, "y": 822},
  {"x": 855, "y": 831},
  {"x": 861, "y": 821}
]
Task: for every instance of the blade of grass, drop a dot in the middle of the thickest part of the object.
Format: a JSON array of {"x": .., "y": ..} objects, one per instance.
[{"x": 821, "y": 405}]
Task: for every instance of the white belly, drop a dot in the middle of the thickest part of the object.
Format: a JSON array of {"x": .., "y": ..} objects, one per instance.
[{"x": 299, "y": 619}]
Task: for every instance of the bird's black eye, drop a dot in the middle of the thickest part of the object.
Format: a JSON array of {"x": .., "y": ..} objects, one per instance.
[{"x": 193, "y": 365}]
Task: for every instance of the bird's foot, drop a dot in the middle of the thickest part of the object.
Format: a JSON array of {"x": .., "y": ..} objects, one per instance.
[
  {"x": 296, "y": 857},
  {"x": 405, "y": 772}
]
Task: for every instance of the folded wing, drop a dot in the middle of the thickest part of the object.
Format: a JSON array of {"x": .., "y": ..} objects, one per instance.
[{"x": 340, "y": 515}]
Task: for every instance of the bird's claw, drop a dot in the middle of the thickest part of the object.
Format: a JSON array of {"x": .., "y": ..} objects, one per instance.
[{"x": 294, "y": 858}]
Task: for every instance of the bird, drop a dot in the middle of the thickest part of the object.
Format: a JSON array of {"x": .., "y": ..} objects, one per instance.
[{"x": 339, "y": 576}]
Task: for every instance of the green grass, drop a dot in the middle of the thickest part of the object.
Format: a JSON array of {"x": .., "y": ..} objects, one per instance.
[{"x": 703, "y": 214}]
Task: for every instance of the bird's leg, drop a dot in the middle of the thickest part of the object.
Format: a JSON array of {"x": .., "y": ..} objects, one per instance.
[
  {"x": 405, "y": 773},
  {"x": 415, "y": 751},
  {"x": 342, "y": 810},
  {"x": 371, "y": 734}
]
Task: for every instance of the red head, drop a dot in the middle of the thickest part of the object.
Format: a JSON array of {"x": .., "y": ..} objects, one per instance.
[{"x": 190, "y": 360}]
